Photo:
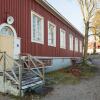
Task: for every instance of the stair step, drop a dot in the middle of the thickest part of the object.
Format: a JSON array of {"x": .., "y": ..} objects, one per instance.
[
  {"x": 30, "y": 81},
  {"x": 1, "y": 73},
  {"x": 27, "y": 77},
  {"x": 33, "y": 85}
]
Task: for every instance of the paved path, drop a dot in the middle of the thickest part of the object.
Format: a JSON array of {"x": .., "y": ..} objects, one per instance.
[{"x": 86, "y": 90}]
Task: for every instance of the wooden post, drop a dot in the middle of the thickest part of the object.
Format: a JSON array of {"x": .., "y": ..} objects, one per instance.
[
  {"x": 20, "y": 77},
  {"x": 43, "y": 74},
  {"x": 4, "y": 69}
]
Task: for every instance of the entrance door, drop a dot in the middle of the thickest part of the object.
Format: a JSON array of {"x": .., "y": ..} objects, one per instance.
[
  {"x": 7, "y": 40},
  {"x": 6, "y": 44}
]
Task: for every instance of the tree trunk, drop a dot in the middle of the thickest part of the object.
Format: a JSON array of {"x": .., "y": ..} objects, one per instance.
[
  {"x": 94, "y": 46},
  {"x": 86, "y": 40}
]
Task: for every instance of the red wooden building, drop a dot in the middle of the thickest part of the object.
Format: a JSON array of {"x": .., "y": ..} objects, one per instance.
[
  {"x": 42, "y": 29},
  {"x": 33, "y": 27}
]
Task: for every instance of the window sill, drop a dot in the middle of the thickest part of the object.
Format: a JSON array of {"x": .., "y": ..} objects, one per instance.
[
  {"x": 71, "y": 50},
  {"x": 77, "y": 51},
  {"x": 52, "y": 45},
  {"x": 40, "y": 42},
  {"x": 62, "y": 48}
]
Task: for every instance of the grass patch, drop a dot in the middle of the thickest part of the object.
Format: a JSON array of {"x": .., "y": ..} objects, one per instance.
[
  {"x": 88, "y": 71},
  {"x": 9, "y": 97},
  {"x": 71, "y": 75},
  {"x": 59, "y": 77},
  {"x": 87, "y": 74}
]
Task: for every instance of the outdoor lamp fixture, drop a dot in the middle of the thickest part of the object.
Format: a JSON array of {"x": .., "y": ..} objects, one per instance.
[{"x": 10, "y": 20}]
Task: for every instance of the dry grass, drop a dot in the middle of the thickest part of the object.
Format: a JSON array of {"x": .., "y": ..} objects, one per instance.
[
  {"x": 65, "y": 76},
  {"x": 59, "y": 77}
]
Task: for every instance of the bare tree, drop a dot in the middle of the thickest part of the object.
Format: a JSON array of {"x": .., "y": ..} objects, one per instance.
[
  {"x": 87, "y": 9},
  {"x": 96, "y": 27}
]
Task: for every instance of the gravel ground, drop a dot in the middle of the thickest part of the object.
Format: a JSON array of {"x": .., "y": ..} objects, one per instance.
[{"x": 87, "y": 90}]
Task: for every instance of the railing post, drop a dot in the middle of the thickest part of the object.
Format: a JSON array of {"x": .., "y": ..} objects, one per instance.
[
  {"x": 20, "y": 77},
  {"x": 4, "y": 68},
  {"x": 43, "y": 74}
]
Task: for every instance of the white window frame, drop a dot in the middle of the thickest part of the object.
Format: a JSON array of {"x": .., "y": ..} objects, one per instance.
[
  {"x": 76, "y": 44},
  {"x": 64, "y": 40},
  {"x": 42, "y": 27},
  {"x": 54, "y": 44},
  {"x": 81, "y": 50},
  {"x": 71, "y": 42}
]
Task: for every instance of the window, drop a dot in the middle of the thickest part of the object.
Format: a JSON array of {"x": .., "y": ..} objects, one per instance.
[
  {"x": 70, "y": 41},
  {"x": 51, "y": 34},
  {"x": 98, "y": 5},
  {"x": 37, "y": 28},
  {"x": 62, "y": 39},
  {"x": 81, "y": 46},
  {"x": 6, "y": 31},
  {"x": 76, "y": 44}
]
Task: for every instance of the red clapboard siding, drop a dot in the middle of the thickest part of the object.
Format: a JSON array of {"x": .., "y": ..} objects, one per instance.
[{"x": 21, "y": 11}]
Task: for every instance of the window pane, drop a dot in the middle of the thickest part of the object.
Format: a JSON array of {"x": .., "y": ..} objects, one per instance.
[
  {"x": 62, "y": 39},
  {"x": 80, "y": 46},
  {"x": 39, "y": 35},
  {"x": 71, "y": 41},
  {"x": 37, "y": 28},
  {"x": 51, "y": 34},
  {"x": 76, "y": 44},
  {"x": 6, "y": 31},
  {"x": 34, "y": 27}
]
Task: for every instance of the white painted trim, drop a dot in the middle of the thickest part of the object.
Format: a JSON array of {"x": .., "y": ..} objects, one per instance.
[
  {"x": 42, "y": 19},
  {"x": 71, "y": 44},
  {"x": 49, "y": 22},
  {"x": 80, "y": 46},
  {"x": 76, "y": 45},
  {"x": 46, "y": 57},
  {"x": 60, "y": 38},
  {"x": 7, "y": 25}
]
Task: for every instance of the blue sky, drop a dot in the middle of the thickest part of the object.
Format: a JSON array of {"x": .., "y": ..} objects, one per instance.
[{"x": 70, "y": 10}]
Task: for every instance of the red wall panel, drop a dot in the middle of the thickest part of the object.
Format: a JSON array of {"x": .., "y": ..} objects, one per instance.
[{"x": 21, "y": 11}]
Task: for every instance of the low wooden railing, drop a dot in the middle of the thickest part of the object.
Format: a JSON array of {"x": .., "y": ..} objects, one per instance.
[
  {"x": 8, "y": 66},
  {"x": 34, "y": 64}
]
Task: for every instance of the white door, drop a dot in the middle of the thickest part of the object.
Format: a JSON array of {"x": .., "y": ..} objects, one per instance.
[
  {"x": 7, "y": 40},
  {"x": 7, "y": 45}
]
